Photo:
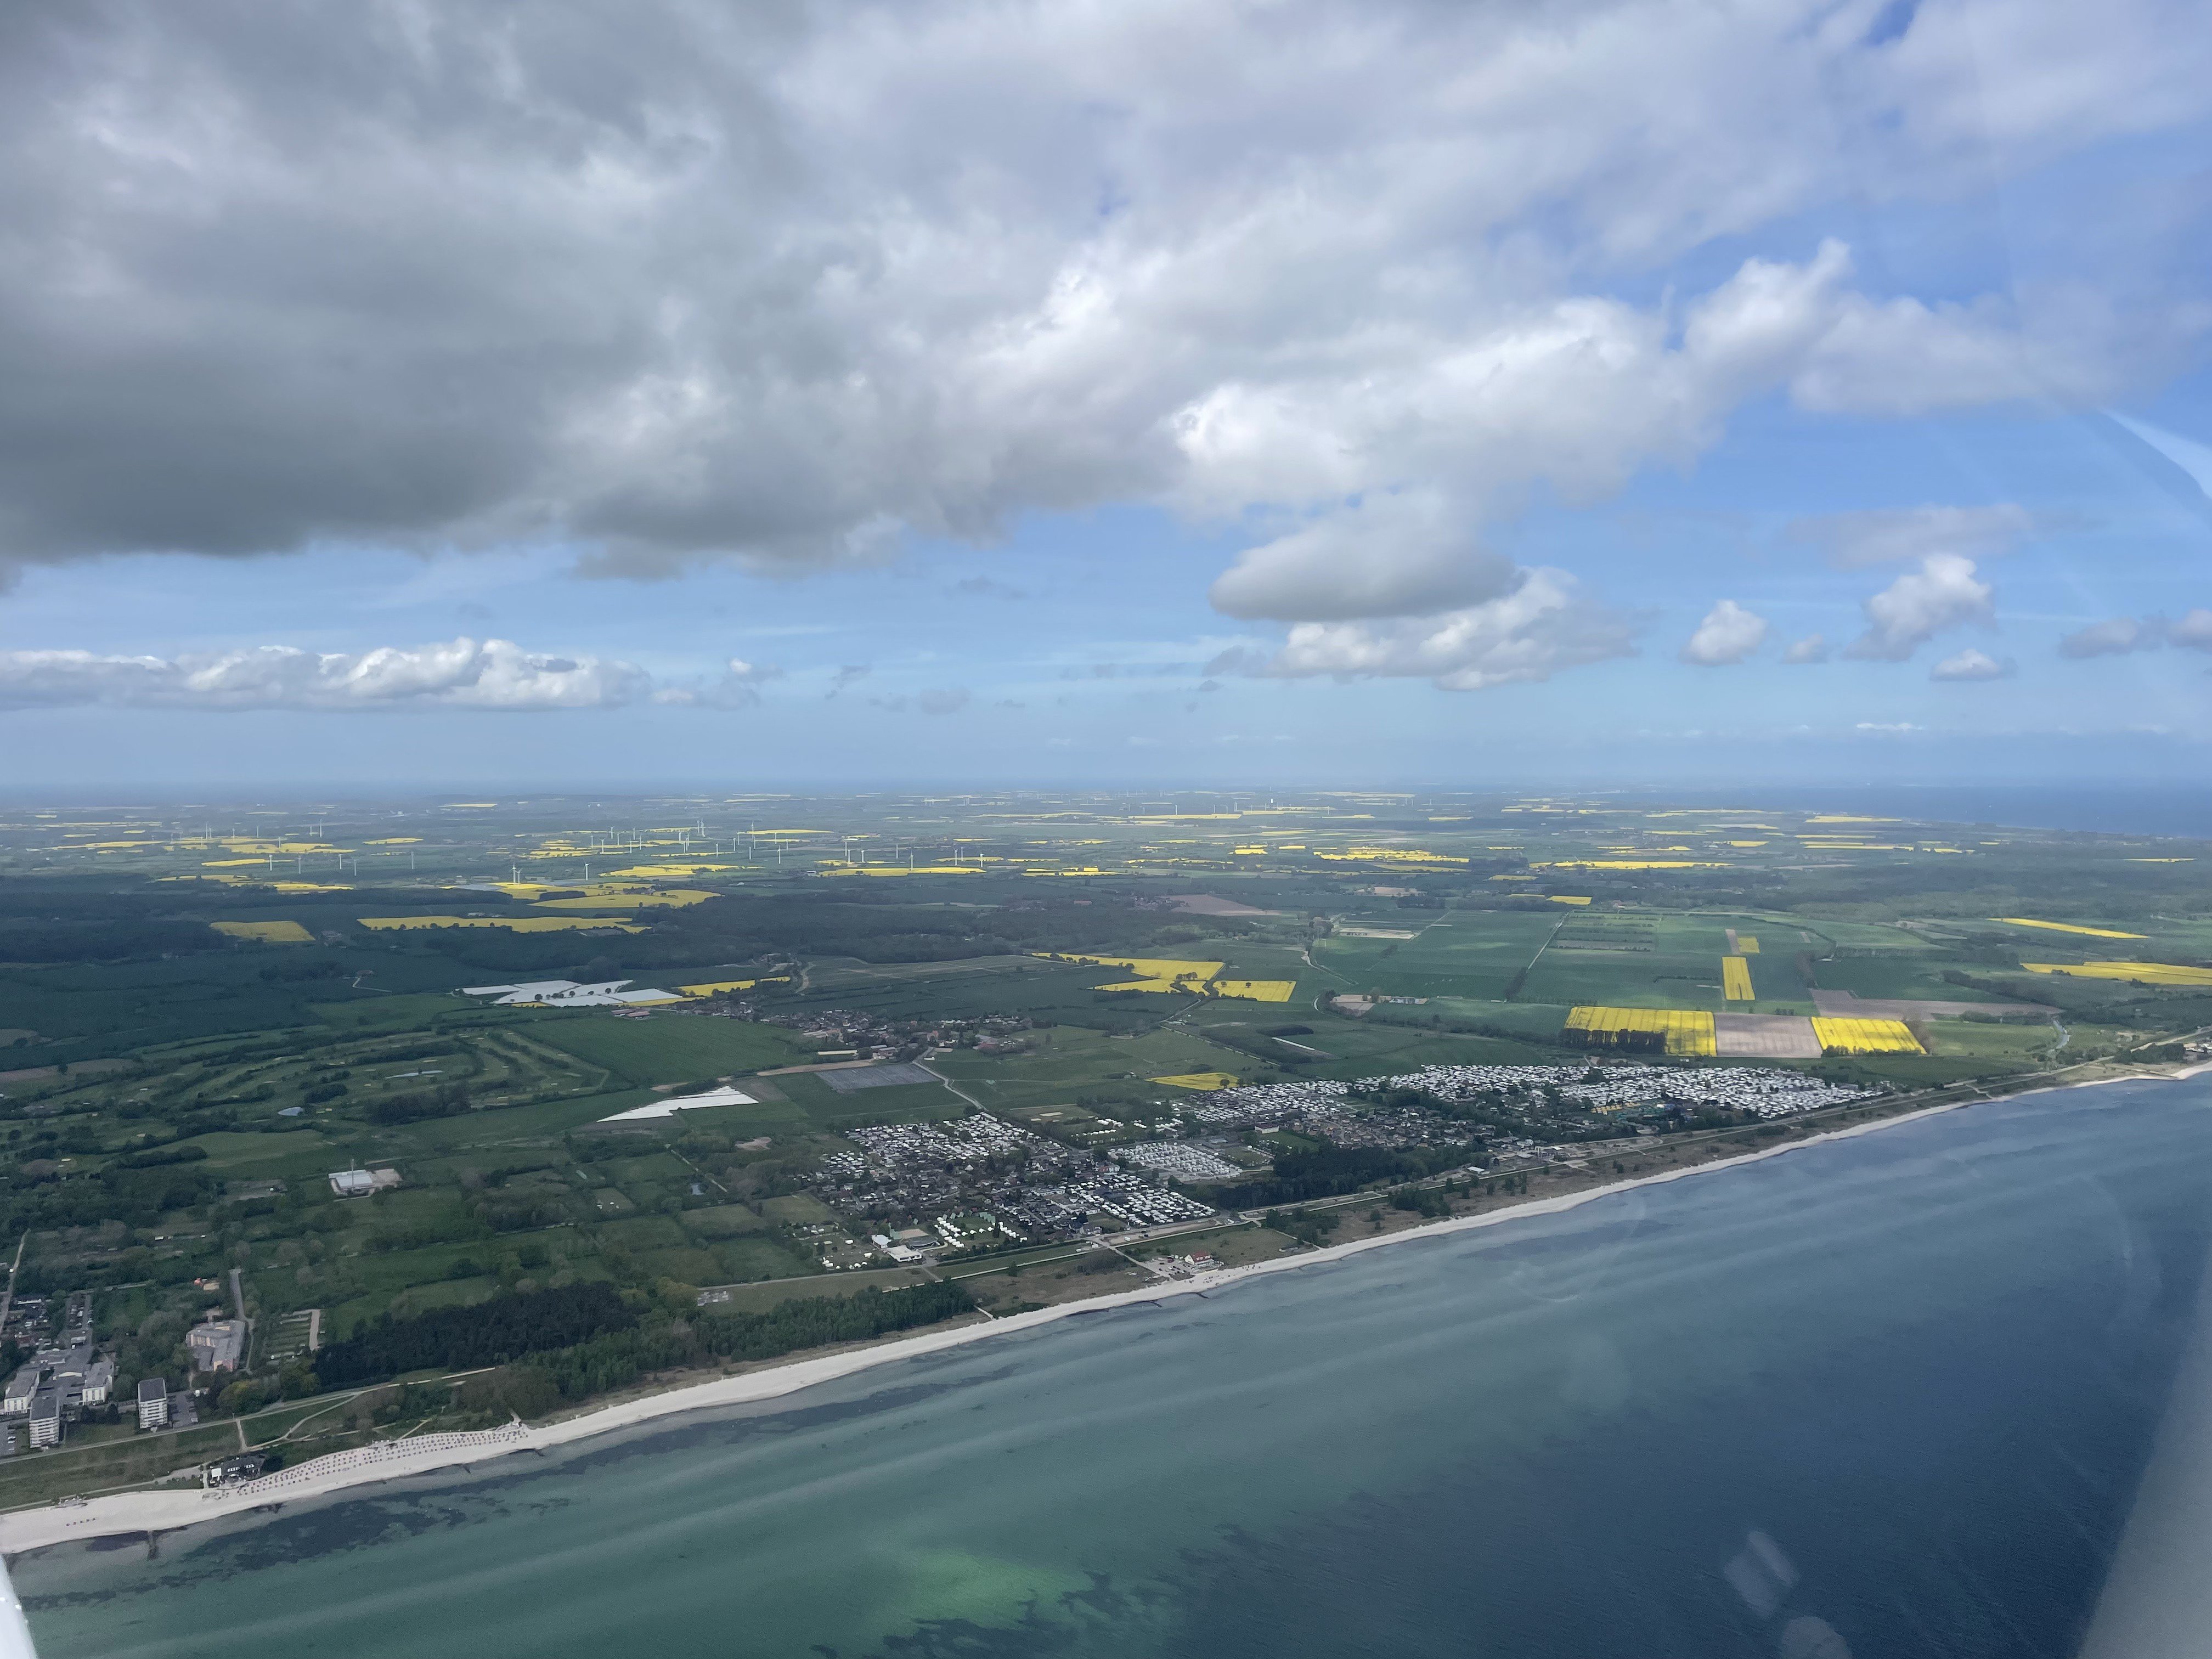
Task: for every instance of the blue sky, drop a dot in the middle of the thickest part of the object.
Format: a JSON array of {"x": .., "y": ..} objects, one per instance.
[{"x": 1191, "y": 394}]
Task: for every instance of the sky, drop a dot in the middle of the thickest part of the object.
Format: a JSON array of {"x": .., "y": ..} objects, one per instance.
[{"x": 847, "y": 395}]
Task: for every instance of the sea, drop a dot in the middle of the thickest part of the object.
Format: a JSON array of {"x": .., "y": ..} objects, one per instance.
[{"x": 1885, "y": 1395}]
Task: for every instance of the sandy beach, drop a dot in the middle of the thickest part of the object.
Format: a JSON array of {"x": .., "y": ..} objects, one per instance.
[{"x": 149, "y": 1512}]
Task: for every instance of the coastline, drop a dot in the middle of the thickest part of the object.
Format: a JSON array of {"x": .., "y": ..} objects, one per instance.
[{"x": 149, "y": 1513}]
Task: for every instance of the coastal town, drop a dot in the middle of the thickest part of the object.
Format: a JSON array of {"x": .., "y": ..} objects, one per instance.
[{"x": 464, "y": 1147}]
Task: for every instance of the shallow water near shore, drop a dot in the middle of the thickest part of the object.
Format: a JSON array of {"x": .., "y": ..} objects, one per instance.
[{"x": 1892, "y": 1392}]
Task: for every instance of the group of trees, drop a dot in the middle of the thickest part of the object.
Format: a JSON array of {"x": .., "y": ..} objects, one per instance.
[
  {"x": 418, "y": 1105},
  {"x": 620, "y": 1357},
  {"x": 489, "y": 1333},
  {"x": 1328, "y": 1171},
  {"x": 583, "y": 1339}
]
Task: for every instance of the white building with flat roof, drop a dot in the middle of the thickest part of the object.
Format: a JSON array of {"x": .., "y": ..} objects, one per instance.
[
  {"x": 153, "y": 1403},
  {"x": 16, "y": 1401}
]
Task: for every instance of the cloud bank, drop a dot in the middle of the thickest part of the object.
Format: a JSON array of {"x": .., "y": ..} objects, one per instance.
[
  {"x": 2122, "y": 636},
  {"x": 462, "y": 673}
]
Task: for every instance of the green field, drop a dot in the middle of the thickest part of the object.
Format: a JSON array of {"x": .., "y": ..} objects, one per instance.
[
  {"x": 1467, "y": 953},
  {"x": 671, "y": 1047},
  {"x": 1061, "y": 1062}
]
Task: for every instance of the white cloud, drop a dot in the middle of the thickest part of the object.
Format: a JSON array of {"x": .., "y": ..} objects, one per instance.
[
  {"x": 1851, "y": 541},
  {"x": 1972, "y": 664},
  {"x": 1728, "y": 634},
  {"x": 460, "y": 673},
  {"x": 1544, "y": 625},
  {"x": 1814, "y": 648},
  {"x": 782, "y": 295},
  {"x": 2193, "y": 632},
  {"x": 1387, "y": 556},
  {"x": 738, "y": 686},
  {"x": 1944, "y": 593},
  {"x": 2119, "y": 635},
  {"x": 2114, "y": 637}
]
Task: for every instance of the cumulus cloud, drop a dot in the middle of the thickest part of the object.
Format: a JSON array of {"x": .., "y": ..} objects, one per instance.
[
  {"x": 785, "y": 293},
  {"x": 1944, "y": 593},
  {"x": 1972, "y": 664},
  {"x": 1728, "y": 634},
  {"x": 2193, "y": 632},
  {"x": 1814, "y": 648},
  {"x": 1851, "y": 541},
  {"x": 1544, "y": 625},
  {"x": 462, "y": 673},
  {"x": 1391, "y": 556}
]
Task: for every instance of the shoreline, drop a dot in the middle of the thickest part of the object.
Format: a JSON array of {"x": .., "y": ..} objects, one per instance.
[{"x": 151, "y": 1513}]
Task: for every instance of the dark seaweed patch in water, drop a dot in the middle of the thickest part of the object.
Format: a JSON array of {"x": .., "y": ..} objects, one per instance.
[{"x": 340, "y": 1522}]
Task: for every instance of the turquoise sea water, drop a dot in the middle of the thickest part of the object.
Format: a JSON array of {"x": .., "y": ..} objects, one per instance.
[{"x": 1884, "y": 1397}]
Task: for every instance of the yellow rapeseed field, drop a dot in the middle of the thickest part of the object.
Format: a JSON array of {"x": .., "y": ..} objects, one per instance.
[
  {"x": 268, "y": 933},
  {"x": 2149, "y": 973},
  {"x": 731, "y": 985},
  {"x": 1392, "y": 855},
  {"x": 1735, "y": 980},
  {"x": 1173, "y": 973},
  {"x": 1630, "y": 863},
  {"x": 1865, "y": 1036},
  {"x": 1688, "y": 1031},
  {"x": 1208, "y": 1081},
  {"x": 516, "y": 924},
  {"x": 1747, "y": 945},
  {"x": 599, "y": 898},
  {"x": 1564, "y": 898},
  {"x": 1255, "y": 990},
  {"x": 2067, "y": 928}
]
